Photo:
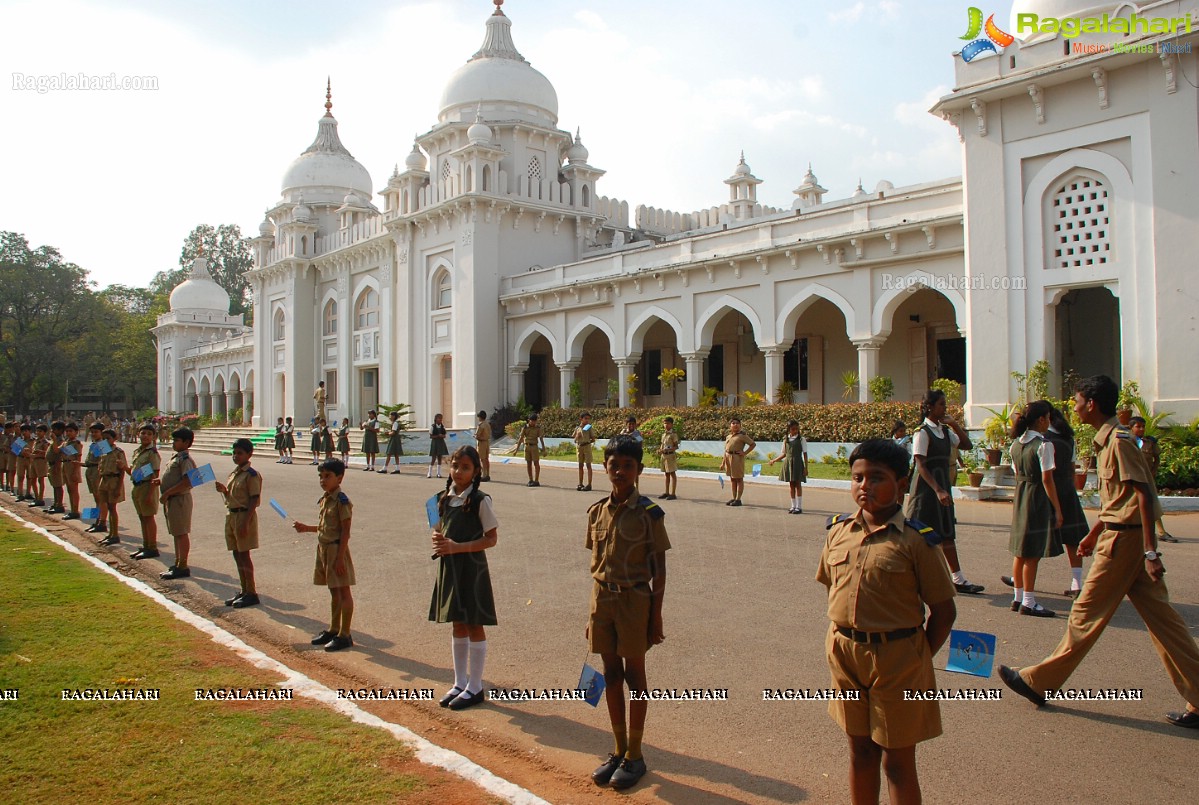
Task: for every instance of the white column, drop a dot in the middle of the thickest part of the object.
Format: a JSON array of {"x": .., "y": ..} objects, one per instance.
[
  {"x": 624, "y": 368},
  {"x": 212, "y": 403},
  {"x": 774, "y": 373},
  {"x": 868, "y": 352},
  {"x": 566, "y": 376},
  {"x": 228, "y": 405},
  {"x": 516, "y": 381},
  {"x": 247, "y": 412},
  {"x": 695, "y": 376}
]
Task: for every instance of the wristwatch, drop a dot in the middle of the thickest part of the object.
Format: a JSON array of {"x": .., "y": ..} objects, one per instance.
[{"x": 1152, "y": 556}]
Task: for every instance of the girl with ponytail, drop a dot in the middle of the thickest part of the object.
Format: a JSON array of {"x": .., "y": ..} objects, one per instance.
[{"x": 1037, "y": 515}]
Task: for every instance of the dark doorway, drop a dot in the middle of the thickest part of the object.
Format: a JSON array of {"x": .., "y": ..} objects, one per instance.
[
  {"x": 714, "y": 368},
  {"x": 535, "y": 377},
  {"x": 951, "y": 359}
]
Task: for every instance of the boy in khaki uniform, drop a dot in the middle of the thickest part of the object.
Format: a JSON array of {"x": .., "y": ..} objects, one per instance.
[
  {"x": 58, "y": 465},
  {"x": 669, "y": 451},
  {"x": 881, "y": 572},
  {"x": 334, "y": 565},
  {"x": 176, "y": 502},
  {"x": 72, "y": 462},
  {"x": 1126, "y": 564},
  {"x": 483, "y": 438},
  {"x": 530, "y": 437},
  {"x": 6, "y": 456},
  {"x": 22, "y": 462},
  {"x": 91, "y": 474},
  {"x": 584, "y": 437},
  {"x": 628, "y": 544},
  {"x": 145, "y": 493},
  {"x": 110, "y": 485},
  {"x": 39, "y": 467},
  {"x": 243, "y": 492}
]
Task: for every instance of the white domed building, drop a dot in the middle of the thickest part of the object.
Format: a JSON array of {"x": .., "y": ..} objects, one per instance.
[{"x": 493, "y": 269}]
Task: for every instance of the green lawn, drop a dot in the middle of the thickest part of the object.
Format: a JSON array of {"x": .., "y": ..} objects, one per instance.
[{"x": 65, "y": 625}]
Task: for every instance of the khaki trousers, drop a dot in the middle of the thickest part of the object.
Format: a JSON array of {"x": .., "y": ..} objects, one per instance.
[{"x": 1119, "y": 570}]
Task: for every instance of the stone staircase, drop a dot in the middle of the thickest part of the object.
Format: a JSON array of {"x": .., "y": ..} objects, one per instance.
[{"x": 220, "y": 440}]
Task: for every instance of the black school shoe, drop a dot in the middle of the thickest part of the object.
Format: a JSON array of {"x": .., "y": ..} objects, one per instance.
[
  {"x": 1038, "y": 612},
  {"x": 72, "y": 516},
  {"x": 173, "y": 572},
  {"x": 452, "y": 694},
  {"x": 466, "y": 699},
  {"x": 1184, "y": 719},
  {"x": 110, "y": 540},
  {"x": 339, "y": 642},
  {"x": 604, "y": 773},
  {"x": 245, "y": 600},
  {"x": 144, "y": 554},
  {"x": 1011, "y": 677},
  {"x": 968, "y": 588},
  {"x": 628, "y": 774},
  {"x": 324, "y": 637}
]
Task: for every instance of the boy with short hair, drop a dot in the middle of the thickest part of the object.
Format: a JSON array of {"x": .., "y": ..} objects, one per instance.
[
  {"x": 91, "y": 474},
  {"x": 334, "y": 565},
  {"x": 23, "y": 459},
  {"x": 530, "y": 437},
  {"x": 72, "y": 452},
  {"x": 7, "y": 459},
  {"x": 483, "y": 440},
  {"x": 584, "y": 437},
  {"x": 876, "y": 646},
  {"x": 176, "y": 502},
  {"x": 628, "y": 544},
  {"x": 58, "y": 465},
  {"x": 669, "y": 451},
  {"x": 39, "y": 466},
  {"x": 110, "y": 487},
  {"x": 1153, "y": 457},
  {"x": 145, "y": 493},
  {"x": 243, "y": 492}
]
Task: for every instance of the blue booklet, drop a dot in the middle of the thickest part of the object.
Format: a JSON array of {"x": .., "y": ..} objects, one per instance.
[
  {"x": 431, "y": 510},
  {"x": 18, "y": 445},
  {"x": 721, "y": 479},
  {"x": 591, "y": 682},
  {"x": 757, "y": 470},
  {"x": 278, "y": 509},
  {"x": 142, "y": 473},
  {"x": 201, "y": 475},
  {"x": 67, "y": 450},
  {"x": 101, "y": 449},
  {"x": 90, "y": 515},
  {"x": 971, "y": 653}
]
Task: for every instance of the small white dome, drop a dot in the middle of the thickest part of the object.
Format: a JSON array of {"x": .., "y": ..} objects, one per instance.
[
  {"x": 199, "y": 291},
  {"x": 742, "y": 168},
  {"x": 577, "y": 154},
  {"x": 266, "y": 229},
  {"x": 325, "y": 170},
  {"x": 479, "y": 132},
  {"x": 883, "y": 186},
  {"x": 497, "y": 79},
  {"x": 416, "y": 160},
  {"x": 859, "y": 193},
  {"x": 302, "y": 211},
  {"x": 351, "y": 200}
]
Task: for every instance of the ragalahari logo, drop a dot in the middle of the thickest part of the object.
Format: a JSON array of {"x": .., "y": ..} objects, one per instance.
[{"x": 994, "y": 35}]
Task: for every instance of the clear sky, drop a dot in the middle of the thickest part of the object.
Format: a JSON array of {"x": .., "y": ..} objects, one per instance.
[{"x": 667, "y": 94}]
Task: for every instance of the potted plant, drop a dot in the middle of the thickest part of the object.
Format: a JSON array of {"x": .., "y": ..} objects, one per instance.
[
  {"x": 995, "y": 434},
  {"x": 973, "y": 469}
]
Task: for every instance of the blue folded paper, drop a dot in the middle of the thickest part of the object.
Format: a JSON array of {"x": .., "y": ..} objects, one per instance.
[
  {"x": 101, "y": 449},
  {"x": 971, "y": 653},
  {"x": 67, "y": 450},
  {"x": 431, "y": 510},
  {"x": 757, "y": 470},
  {"x": 591, "y": 682},
  {"x": 90, "y": 515},
  {"x": 142, "y": 473},
  {"x": 278, "y": 509},
  {"x": 18, "y": 445},
  {"x": 721, "y": 479},
  {"x": 201, "y": 475}
]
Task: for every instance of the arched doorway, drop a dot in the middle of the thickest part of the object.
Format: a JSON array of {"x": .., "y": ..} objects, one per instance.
[
  {"x": 1087, "y": 324},
  {"x": 734, "y": 364},
  {"x": 541, "y": 378},
  {"x": 596, "y": 368},
  {"x": 924, "y": 345}
]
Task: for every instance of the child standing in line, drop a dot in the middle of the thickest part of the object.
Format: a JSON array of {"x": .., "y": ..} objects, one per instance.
[
  {"x": 177, "y": 501},
  {"x": 628, "y": 544},
  {"x": 23, "y": 459},
  {"x": 736, "y": 447},
  {"x": 243, "y": 493},
  {"x": 630, "y": 430},
  {"x": 326, "y": 440},
  {"x": 72, "y": 450},
  {"x": 7, "y": 459},
  {"x": 483, "y": 437},
  {"x": 530, "y": 437},
  {"x": 437, "y": 446},
  {"x": 900, "y": 434},
  {"x": 289, "y": 441},
  {"x": 91, "y": 474},
  {"x": 370, "y": 439},
  {"x": 280, "y": 442},
  {"x": 343, "y": 441},
  {"x": 315, "y": 446},
  {"x": 145, "y": 492},
  {"x": 876, "y": 648},
  {"x": 1037, "y": 516},
  {"x": 395, "y": 443},
  {"x": 794, "y": 456},
  {"x": 334, "y": 565},
  {"x": 669, "y": 451},
  {"x": 584, "y": 437},
  {"x": 1153, "y": 457},
  {"x": 57, "y": 463},
  {"x": 39, "y": 466},
  {"x": 110, "y": 487},
  {"x": 467, "y": 527}
]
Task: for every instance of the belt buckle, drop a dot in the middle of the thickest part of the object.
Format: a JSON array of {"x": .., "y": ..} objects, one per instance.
[{"x": 611, "y": 586}]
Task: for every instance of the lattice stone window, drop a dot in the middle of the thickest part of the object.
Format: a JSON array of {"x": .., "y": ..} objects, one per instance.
[
  {"x": 535, "y": 169},
  {"x": 1080, "y": 224},
  {"x": 445, "y": 169}
]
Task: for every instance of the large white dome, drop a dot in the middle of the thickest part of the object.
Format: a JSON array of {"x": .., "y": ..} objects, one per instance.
[
  {"x": 326, "y": 170},
  {"x": 498, "y": 82},
  {"x": 199, "y": 292}
]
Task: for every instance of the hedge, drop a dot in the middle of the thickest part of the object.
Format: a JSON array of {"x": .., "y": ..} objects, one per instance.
[{"x": 835, "y": 422}]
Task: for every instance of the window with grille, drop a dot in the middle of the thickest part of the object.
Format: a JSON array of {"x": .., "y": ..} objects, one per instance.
[
  {"x": 535, "y": 169},
  {"x": 445, "y": 169},
  {"x": 1081, "y": 223}
]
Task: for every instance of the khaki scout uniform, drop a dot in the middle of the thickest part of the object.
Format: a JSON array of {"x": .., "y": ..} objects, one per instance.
[
  {"x": 531, "y": 434},
  {"x": 6, "y": 456},
  {"x": 623, "y": 538},
  {"x": 583, "y": 441},
  {"x": 110, "y": 486},
  {"x": 483, "y": 438},
  {"x": 57, "y": 464},
  {"x": 178, "y": 507},
  {"x": 1119, "y": 570},
  {"x": 91, "y": 468},
  {"x": 243, "y": 484},
  {"x": 23, "y": 459},
  {"x": 145, "y": 496},
  {"x": 670, "y": 451},
  {"x": 72, "y": 473},
  {"x": 39, "y": 465},
  {"x": 335, "y": 510},
  {"x": 734, "y": 447},
  {"x": 878, "y": 584}
]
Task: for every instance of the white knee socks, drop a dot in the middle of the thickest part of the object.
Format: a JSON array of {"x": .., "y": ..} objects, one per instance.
[
  {"x": 461, "y": 646},
  {"x": 478, "y": 655}
]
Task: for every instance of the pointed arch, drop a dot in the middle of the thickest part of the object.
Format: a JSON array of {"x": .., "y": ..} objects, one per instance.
[
  {"x": 705, "y": 323},
  {"x": 636, "y": 331},
  {"x": 578, "y": 336},
  {"x": 889, "y": 301},
  {"x": 368, "y": 304},
  {"x": 524, "y": 343},
  {"x": 795, "y": 307},
  {"x": 234, "y": 381}
]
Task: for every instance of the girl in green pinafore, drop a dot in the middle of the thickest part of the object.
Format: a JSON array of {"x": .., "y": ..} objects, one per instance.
[
  {"x": 794, "y": 456},
  {"x": 1037, "y": 515},
  {"x": 395, "y": 443},
  {"x": 343, "y": 441},
  {"x": 930, "y": 498},
  {"x": 370, "y": 439},
  {"x": 1074, "y": 520},
  {"x": 466, "y": 528}
]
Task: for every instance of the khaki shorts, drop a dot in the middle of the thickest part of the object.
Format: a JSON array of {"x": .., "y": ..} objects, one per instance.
[
  {"x": 670, "y": 462},
  {"x": 91, "y": 475},
  {"x": 532, "y": 454},
  {"x": 178, "y": 510},
  {"x": 233, "y": 521},
  {"x": 619, "y": 622},
  {"x": 324, "y": 572},
  {"x": 57, "y": 475},
  {"x": 40, "y": 467},
  {"x": 145, "y": 499},
  {"x": 584, "y": 454},
  {"x": 110, "y": 491},
  {"x": 882, "y": 672}
]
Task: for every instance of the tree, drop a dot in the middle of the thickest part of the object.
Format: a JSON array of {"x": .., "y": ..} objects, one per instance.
[{"x": 229, "y": 258}]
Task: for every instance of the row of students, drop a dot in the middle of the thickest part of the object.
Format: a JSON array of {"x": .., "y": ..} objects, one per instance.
[{"x": 322, "y": 442}]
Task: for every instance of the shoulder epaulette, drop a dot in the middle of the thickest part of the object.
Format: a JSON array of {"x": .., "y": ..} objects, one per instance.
[
  {"x": 652, "y": 509},
  {"x": 252, "y": 472},
  {"x": 1123, "y": 433},
  {"x": 930, "y": 536},
  {"x": 343, "y": 497},
  {"x": 599, "y": 502},
  {"x": 837, "y": 518}
]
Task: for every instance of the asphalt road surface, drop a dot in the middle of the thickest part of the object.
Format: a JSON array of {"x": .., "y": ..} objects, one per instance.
[{"x": 743, "y": 613}]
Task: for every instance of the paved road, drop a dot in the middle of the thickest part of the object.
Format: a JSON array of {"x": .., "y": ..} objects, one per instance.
[{"x": 742, "y": 613}]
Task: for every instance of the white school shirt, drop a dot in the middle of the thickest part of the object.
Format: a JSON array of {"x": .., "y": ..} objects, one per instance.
[
  {"x": 486, "y": 512},
  {"x": 920, "y": 439},
  {"x": 1044, "y": 451}
]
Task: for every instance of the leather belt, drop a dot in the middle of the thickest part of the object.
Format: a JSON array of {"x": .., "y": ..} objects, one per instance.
[
  {"x": 237, "y": 511},
  {"x": 876, "y": 637},
  {"x": 613, "y": 587},
  {"x": 1121, "y": 526}
]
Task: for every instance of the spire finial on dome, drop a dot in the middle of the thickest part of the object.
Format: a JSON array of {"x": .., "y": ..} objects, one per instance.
[
  {"x": 742, "y": 156},
  {"x": 498, "y": 11},
  {"x": 328, "y": 97},
  {"x": 497, "y": 41}
]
